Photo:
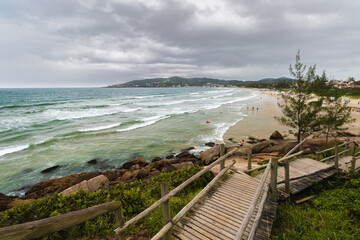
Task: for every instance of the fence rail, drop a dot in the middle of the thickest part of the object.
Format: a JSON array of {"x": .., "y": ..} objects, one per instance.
[{"x": 39, "y": 228}]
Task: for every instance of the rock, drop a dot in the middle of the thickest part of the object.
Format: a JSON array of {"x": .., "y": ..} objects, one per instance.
[
  {"x": 276, "y": 136},
  {"x": 155, "y": 159},
  {"x": 140, "y": 161},
  {"x": 91, "y": 185},
  {"x": 126, "y": 176},
  {"x": 232, "y": 140},
  {"x": 92, "y": 161},
  {"x": 253, "y": 139},
  {"x": 167, "y": 169},
  {"x": 251, "y": 142},
  {"x": 142, "y": 173},
  {"x": 170, "y": 156},
  {"x": 16, "y": 202},
  {"x": 188, "y": 149},
  {"x": 183, "y": 165},
  {"x": 185, "y": 154},
  {"x": 262, "y": 145},
  {"x": 5, "y": 201},
  {"x": 210, "y": 144},
  {"x": 134, "y": 167},
  {"x": 345, "y": 134},
  {"x": 84, "y": 177},
  {"x": 50, "y": 169},
  {"x": 210, "y": 155}
]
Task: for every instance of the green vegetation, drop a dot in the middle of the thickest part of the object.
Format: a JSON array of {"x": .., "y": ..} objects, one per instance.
[
  {"x": 316, "y": 105},
  {"x": 333, "y": 214},
  {"x": 135, "y": 197},
  {"x": 350, "y": 92}
]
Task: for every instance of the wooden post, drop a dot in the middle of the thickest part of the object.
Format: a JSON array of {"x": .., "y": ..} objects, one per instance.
[
  {"x": 317, "y": 156},
  {"x": 336, "y": 156},
  {"x": 222, "y": 153},
  {"x": 119, "y": 217},
  {"x": 353, "y": 159},
  {"x": 273, "y": 179},
  {"x": 249, "y": 158},
  {"x": 165, "y": 208},
  {"x": 346, "y": 148},
  {"x": 287, "y": 176}
]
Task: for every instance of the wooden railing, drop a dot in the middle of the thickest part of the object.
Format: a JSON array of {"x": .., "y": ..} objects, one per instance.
[
  {"x": 39, "y": 228},
  {"x": 337, "y": 154},
  {"x": 164, "y": 200}
]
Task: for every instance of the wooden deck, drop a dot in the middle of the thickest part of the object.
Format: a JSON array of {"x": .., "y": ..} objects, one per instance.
[{"x": 220, "y": 213}]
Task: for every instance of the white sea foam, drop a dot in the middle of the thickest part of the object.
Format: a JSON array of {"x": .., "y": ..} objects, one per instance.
[
  {"x": 13, "y": 149},
  {"x": 100, "y": 127},
  {"x": 147, "y": 122}
]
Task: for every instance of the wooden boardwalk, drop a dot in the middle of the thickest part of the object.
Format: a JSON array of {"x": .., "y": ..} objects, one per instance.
[{"x": 220, "y": 213}]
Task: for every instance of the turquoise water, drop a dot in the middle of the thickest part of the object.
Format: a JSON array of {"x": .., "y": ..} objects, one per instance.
[{"x": 40, "y": 128}]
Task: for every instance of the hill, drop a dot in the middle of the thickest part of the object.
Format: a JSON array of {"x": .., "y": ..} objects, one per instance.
[{"x": 192, "y": 82}]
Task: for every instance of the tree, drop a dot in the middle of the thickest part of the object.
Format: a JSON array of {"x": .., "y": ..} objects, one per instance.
[
  {"x": 335, "y": 115},
  {"x": 300, "y": 111}
]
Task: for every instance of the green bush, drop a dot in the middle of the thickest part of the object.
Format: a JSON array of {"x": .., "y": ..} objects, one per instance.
[{"x": 135, "y": 197}]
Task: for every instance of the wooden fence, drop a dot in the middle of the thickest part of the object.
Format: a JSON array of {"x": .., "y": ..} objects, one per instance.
[
  {"x": 337, "y": 154},
  {"x": 39, "y": 228}
]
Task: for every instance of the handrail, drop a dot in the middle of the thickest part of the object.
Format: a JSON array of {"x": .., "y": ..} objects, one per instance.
[
  {"x": 280, "y": 160},
  {"x": 247, "y": 217},
  {"x": 185, "y": 209},
  {"x": 39, "y": 228},
  {"x": 171, "y": 194},
  {"x": 346, "y": 143}
]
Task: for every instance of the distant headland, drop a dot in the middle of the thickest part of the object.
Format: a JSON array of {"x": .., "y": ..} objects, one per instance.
[{"x": 195, "y": 82}]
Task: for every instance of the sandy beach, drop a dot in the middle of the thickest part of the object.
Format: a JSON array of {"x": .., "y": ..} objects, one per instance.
[{"x": 260, "y": 122}]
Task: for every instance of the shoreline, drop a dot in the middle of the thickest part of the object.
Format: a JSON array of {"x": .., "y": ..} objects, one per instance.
[{"x": 259, "y": 123}]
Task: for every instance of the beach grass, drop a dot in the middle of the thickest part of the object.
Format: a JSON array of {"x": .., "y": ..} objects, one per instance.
[{"x": 334, "y": 213}]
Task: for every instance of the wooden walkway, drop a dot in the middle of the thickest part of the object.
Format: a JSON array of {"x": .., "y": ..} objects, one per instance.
[{"x": 220, "y": 213}]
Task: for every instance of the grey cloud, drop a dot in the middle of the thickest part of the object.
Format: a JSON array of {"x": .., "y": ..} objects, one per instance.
[{"x": 95, "y": 43}]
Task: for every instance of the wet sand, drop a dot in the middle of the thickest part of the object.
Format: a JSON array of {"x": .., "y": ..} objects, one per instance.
[{"x": 259, "y": 122}]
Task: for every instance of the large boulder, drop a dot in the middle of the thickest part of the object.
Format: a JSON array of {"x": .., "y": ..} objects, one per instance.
[
  {"x": 259, "y": 147},
  {"x": 276, "y": 136},
  {"x": 210, "y": 155},
  {"x": 140, "y": 161},
  {"x": 91, "y": 185},
  {"x": 50, "y": 169}
]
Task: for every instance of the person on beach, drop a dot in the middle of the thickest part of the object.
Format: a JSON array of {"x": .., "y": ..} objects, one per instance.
[{"x": 240, "y": 143}]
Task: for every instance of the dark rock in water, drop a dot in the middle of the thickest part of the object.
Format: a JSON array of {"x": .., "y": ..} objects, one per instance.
[
  {"x": 155, "y": 159},
  {"x": 92, "y": 161},
  {"x": 169, "y": 156},
  {"x": 188, "y": 149},
  {"x": 27, "y": 170},
  {"x": 140, "y": 161},
  {"x": 252, "y": 138},
  {"x": 251, "y": 142},
  {"x": 210, "y": 144},
  {"x": 262, "y": 140},
  {"x": 50, "y": 169},
  {"x": 185, "y": 154},
  {"x": 276, "y": 136},
  {"x": 22, "y": 188},
  {"x": 4, "y": 201}
]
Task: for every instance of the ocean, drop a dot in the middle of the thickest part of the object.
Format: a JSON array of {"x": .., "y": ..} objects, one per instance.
[{"x": 41, "y": 128}]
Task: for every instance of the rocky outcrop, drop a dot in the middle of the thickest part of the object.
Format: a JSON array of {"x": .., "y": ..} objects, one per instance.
[
  {"x": 276, "y": 136},
  {"x": 91, "y": 185},
  {"x": 5, "y": 201},
  {"x": 210, "y": 155}
]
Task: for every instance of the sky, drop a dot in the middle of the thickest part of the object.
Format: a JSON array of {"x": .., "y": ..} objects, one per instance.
[{"x": 89, "y": 43}]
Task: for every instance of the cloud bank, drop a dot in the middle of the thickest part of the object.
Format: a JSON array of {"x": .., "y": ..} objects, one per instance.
[{"x": 79, "y": 43}]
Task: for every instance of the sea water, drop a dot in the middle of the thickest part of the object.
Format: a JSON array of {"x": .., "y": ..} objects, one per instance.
[{"x": 41, "y": 128}]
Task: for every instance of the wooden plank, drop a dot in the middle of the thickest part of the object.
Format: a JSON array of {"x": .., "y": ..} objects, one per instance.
[
  {"x": 202, "y": 232},
  {"x": 181, "y": 234},
  {"x": 212, "y": 226},
  {"x": 188, "y": 232},
  {"x": 210, "y": 217},
  {"x": 46, "y": 226},
  {"x": 220, "y": 214}
]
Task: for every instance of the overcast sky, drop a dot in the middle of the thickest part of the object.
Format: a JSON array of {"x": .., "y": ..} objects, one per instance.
[{"x": 84, "y": 43}]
